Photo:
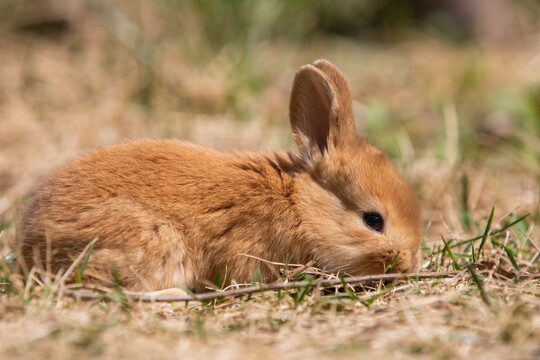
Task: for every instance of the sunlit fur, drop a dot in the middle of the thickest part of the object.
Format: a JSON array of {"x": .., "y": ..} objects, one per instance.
[{"x": 170, "y": 213}]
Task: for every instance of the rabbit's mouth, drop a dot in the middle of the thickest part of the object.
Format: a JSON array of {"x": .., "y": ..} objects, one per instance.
[
  {"x": 384, "y": 262},
  {"x": 380, "y": 262}
]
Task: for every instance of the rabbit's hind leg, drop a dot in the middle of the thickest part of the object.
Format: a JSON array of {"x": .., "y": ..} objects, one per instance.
[{"x": 135, "y": 247}]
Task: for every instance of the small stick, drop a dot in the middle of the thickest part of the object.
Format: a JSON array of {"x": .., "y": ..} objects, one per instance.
[
  {"x": 274, "y": 286},
  {"x": 297, "y": 271}
]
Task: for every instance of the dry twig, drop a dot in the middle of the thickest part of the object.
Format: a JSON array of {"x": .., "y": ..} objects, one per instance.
[{"x": 275, "y": 286}]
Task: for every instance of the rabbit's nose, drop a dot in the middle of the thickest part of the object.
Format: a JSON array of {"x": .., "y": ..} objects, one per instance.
[{"x": 403, "y": 262}]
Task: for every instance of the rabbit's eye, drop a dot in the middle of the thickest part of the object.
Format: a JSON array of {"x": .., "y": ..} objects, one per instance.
[{"x": 374, "y": 221}]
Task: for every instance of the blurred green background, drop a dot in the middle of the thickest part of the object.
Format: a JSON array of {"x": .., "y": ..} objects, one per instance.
[{"x": 450, "y": 88}]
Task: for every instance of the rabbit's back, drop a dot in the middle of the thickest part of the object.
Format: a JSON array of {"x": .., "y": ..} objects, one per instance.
[{"x": 160, "y": 210}]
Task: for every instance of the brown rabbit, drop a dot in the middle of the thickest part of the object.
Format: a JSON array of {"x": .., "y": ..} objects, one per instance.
[{"x": 167, "y": 212}]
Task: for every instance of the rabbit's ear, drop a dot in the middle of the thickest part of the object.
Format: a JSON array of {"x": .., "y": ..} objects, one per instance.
[{"x": 321, "y": 107}]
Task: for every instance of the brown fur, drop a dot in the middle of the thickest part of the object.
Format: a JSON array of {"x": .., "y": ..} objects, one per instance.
[{"x": 169, "y": 212}]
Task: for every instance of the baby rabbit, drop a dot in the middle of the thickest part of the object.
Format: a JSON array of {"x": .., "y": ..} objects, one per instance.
[{"x": 167, "y": 212}]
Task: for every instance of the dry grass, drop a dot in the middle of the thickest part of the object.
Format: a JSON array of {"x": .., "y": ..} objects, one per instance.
[{"x": 463, "y": 124}]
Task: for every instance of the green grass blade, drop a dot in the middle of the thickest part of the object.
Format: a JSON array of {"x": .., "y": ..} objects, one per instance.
[
  {"x": 480, "y": 285},
  {"x": 454, "y": 261},
  {"x": 256, "y": 277},
  {"x": 464, "y": 211},
  {"x": 486, "y": 233},
  {"x": 511, "y": 257},
  {"x": 492, "y": 233},
  {"x": 392, "y": 264},
  {"x": 349, "y": 292},
  {"x": 302, "y": 292},
  {"x": 370, "y": 301},
  {"x": 224, "y": 278},
  {"x": 284, "y": 273},
  {"x": 86, "y": 258}
]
